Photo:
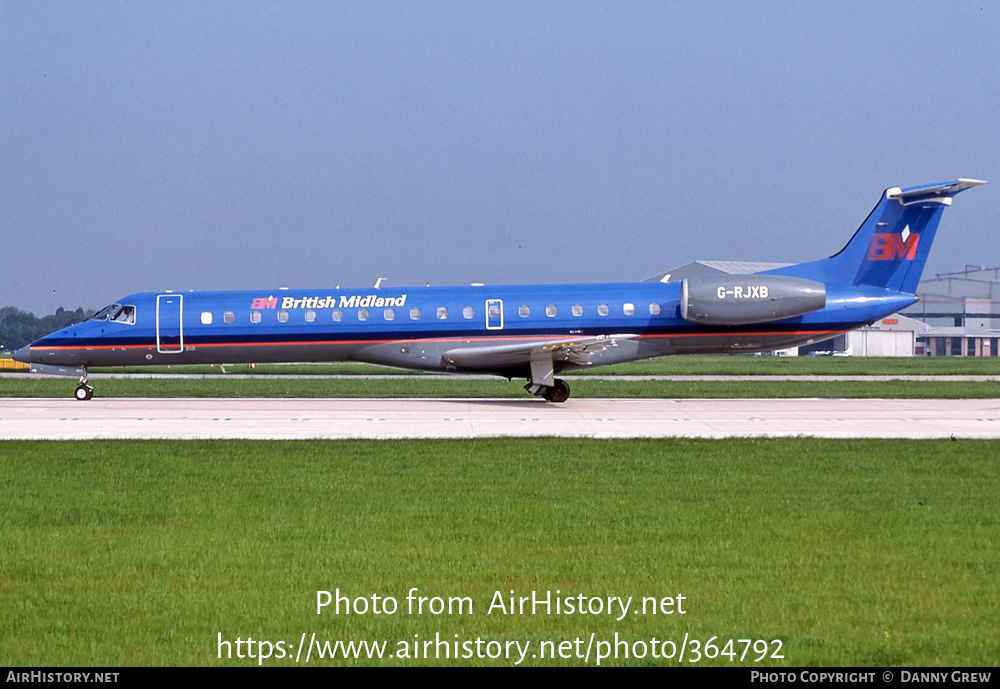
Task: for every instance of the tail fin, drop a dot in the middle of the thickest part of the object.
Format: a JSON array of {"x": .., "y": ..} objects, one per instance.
[{"x": 890, "y": 248}]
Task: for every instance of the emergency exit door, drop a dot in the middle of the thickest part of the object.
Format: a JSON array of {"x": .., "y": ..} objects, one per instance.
[{"x": 494, "y": 314}]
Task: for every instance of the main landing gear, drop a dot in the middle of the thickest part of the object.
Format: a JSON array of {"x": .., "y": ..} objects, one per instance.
[
  {"x": 557, "y": 392},
  {"x": 542, "y": 382},
  {"x": 83, "y": 391}
]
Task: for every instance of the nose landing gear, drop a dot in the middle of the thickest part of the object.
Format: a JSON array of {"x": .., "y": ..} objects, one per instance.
[{"x": 83, "y": 391}]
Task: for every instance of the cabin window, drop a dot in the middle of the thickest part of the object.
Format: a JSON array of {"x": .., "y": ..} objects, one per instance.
[
  {"x": 415, "y": 313},
  {"x": 602, "y": 309},
  {"x": 442, "y": 312},
  {"x": 338, "y": 315},
  {"x": 389, "y": 314},
  {"x": 628, "y": 309},
  {"x": 468, "y": 312},
  {"x": 282, "y": 316},
  {"x": 494, "y": 311},
  {"x": 255, "y": 316},
  {"x": 577, "y": 310},
  {"x": 362, "y": 314},
  {"x": 523, "y": 311},
  {"x": 654, "y": 309},
  {"x": 206, "y": 318},
  {"x": 550, "y": 310},
  {"x": 310, "y": 316},
  {"x": 229, "y": 317}
]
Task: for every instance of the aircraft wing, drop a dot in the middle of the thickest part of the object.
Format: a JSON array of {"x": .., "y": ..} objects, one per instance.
[{"x": 572, "y": 349}]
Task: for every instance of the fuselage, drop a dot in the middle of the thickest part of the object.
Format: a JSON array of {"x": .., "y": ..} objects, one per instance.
[
  {"x": 412, "y": 327},
  {"x": 534, "y": 331}
]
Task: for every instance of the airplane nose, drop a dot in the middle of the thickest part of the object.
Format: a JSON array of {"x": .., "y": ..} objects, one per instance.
[{"x": 23, "y": 354}]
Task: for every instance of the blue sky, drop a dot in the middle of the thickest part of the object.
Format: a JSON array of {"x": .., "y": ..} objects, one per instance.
[{"x": 231, "y": 145}]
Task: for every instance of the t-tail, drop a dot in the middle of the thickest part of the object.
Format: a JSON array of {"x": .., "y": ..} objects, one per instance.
[{"x": 890, "y": 248}]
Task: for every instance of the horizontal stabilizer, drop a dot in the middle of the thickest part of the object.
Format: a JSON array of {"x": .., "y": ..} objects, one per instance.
[{"x": 941, "y": 193}]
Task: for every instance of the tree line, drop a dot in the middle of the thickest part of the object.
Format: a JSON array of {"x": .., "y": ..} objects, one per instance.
[{"x": 18, "y": 328}]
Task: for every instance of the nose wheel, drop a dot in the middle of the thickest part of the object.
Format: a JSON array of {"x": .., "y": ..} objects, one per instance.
[{"x": 83, "y": 391}]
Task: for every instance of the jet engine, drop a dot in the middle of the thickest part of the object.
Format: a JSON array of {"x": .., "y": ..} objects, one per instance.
[{"x": 742, "y": 299}]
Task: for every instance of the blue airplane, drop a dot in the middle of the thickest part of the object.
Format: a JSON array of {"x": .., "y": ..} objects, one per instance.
[{"x": 529, "y": 331}]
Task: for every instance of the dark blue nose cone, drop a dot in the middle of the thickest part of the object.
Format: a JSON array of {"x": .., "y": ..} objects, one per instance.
[{"x": 23, "y": 354}]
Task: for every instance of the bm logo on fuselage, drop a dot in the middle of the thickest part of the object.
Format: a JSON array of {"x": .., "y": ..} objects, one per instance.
[
  {"x": 264, "y": 303},
  {"x": 888, "y": 246}
]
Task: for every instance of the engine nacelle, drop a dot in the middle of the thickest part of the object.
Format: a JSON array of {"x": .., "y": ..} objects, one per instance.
[{"x": 742, "y": 299}]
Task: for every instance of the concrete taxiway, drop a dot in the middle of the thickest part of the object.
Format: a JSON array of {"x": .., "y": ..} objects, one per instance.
[{"x": 276, "y": 419}]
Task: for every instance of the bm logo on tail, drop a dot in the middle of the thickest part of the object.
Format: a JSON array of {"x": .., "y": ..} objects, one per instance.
[{"x": 887, "y": 246}]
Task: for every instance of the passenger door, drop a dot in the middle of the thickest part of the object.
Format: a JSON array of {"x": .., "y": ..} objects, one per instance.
[{"x": 170, "y": 323}]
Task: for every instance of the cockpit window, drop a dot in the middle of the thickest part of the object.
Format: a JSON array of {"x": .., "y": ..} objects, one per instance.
[
  {"x": 116, "y": 313},
  {"x": 104, "y": 313}
]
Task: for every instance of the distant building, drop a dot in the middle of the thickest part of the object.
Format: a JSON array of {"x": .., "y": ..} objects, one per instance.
[
  {"x": 952, "y": 341},
  {"x": 893, "y": 336},
  {"x": 970, "y": 299},
  {"x": 714, "y": 268},
  {"x": 963, "y": 309}
]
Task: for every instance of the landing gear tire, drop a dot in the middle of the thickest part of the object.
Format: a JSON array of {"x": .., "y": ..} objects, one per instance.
[
  {"x": 83, "y": 392},
  {"x": 558, "y": 392}
]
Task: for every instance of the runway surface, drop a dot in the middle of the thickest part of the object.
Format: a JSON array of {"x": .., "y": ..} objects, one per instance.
[{"x": 274, "y": 419}]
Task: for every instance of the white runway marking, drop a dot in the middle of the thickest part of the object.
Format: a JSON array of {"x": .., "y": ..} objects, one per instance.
[{"x": 277, "y": 419}]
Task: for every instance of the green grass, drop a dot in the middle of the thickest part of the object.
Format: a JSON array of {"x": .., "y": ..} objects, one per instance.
[
  {"x": 861, "y": 553},
  {"x": 441, "y": 386}
]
